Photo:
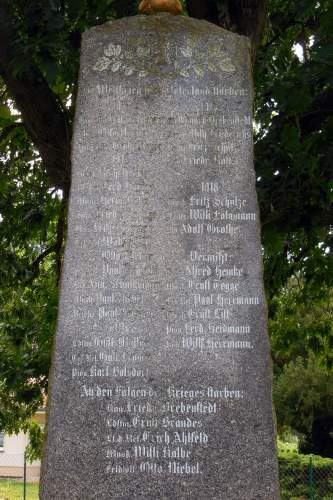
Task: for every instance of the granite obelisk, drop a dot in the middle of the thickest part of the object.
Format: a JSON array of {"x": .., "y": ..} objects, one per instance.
[{"x": 161, "y": 377}]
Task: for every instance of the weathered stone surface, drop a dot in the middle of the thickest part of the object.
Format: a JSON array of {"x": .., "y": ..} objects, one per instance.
[{"x": 161, "y": 381}]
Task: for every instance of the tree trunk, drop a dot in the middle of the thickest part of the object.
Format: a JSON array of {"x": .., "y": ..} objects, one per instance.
[
  {"x": 246, "y": 17},
  {"x": 43, "y": 115}
]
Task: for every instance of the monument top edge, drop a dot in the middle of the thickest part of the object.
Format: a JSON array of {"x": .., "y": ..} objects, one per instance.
[{"x": 165, "y": 21}]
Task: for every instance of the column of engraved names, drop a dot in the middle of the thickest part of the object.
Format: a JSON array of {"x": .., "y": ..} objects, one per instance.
[
  {"x": 214, "y": 214},
  {"x": 109, "y": 299},
  {"x": 113, "y": 350},
  {"x": 107, "y": 365},
  {"x": 213, "y": 219}
]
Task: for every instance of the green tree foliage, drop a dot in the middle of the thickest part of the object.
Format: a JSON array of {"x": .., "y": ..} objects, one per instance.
[
  {"x": 294, "y": 151},
  {"x": 301, "y": 324},
  {"x": 30, "y": 245},
  {"x": 304, "y": 402},
  {"x": 39, "y": 61},
  {"x": 36, "y": 439}
]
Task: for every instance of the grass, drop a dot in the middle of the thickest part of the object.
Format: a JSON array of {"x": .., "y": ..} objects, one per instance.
[{"x": 11, "y": 489}]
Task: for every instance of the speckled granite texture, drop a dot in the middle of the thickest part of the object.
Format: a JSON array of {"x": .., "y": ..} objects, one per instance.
[{"x": 161, "y": 377}]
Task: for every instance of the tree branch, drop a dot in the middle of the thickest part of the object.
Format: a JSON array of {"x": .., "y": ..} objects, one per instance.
[
  {"x": 6, "y": 131},
  {"x": 44, "y": 117},
  {"x": 56, "y": 248},
  {"x": 39, "y": 260},
  {"x": 61, "y": 230}
]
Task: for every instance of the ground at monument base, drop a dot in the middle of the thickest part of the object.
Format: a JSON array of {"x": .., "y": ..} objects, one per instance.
[{"x": 13, "y": 490}]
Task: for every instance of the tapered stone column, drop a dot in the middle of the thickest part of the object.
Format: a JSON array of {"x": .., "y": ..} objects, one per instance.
[{"x": 161, "y": 378}]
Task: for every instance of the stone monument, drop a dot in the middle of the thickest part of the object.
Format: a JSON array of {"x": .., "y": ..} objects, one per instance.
[{"x": 161, "y": 377}]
